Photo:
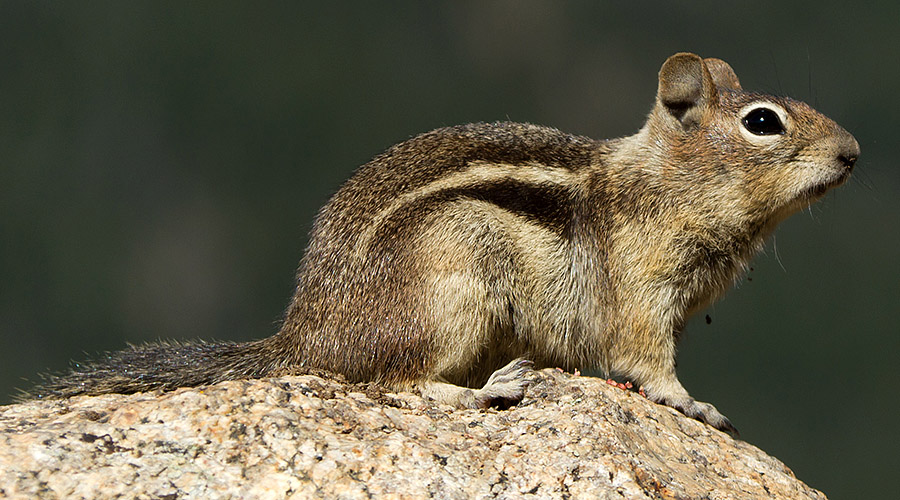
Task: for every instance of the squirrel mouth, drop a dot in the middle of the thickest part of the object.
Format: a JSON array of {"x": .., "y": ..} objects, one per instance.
[{"x": 818, "y": 190}]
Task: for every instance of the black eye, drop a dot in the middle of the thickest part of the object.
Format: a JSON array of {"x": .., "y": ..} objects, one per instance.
[{"x": 763, "y": 121}]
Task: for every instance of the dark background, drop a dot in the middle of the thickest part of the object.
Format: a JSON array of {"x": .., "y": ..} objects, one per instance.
[{"x": 161, "y": 164}]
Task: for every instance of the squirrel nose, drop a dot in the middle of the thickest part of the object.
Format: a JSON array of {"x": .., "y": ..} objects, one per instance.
[
  {"x": 848, "y": 150},
  {"x": 848, "y": 159}
]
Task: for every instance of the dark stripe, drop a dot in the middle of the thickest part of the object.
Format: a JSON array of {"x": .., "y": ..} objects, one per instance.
[{"x": 547, "y": 205}]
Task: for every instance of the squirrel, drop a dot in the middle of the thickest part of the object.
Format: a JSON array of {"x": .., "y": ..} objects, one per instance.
[{"x": 455, "y": 261}]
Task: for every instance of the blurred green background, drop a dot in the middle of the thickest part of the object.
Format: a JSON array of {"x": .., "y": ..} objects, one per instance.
[{"x": 161, "y": 164}]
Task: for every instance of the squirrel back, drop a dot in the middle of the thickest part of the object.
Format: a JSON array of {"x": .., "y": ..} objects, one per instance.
[{"x": 445, "y": 260}]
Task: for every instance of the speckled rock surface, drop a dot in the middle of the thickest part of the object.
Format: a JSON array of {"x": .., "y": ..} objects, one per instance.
[{"x": 309, "y": 437}]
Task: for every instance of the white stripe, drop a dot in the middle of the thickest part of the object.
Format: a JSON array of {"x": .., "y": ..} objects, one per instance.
[{"x": 479, "y": 172}]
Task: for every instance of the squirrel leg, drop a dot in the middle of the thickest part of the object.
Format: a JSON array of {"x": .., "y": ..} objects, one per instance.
[
  {"x": 504, "y": 388},
  {"x": 644, "y": 352},
  {"x": 665, "y": 388}
]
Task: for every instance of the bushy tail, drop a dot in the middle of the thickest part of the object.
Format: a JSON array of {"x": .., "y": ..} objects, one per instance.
[{"x": 165, "y": 365}]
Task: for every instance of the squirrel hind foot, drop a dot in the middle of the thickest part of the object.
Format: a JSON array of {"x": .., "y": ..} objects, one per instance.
[{"x": 504, "y": 388}]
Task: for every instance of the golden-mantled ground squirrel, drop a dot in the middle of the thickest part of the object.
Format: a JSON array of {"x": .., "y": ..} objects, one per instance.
[{"x": 453, "y": 257}]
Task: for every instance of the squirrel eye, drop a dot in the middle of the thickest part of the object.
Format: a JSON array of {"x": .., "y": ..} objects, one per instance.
[{"x": 763, "y": 121}]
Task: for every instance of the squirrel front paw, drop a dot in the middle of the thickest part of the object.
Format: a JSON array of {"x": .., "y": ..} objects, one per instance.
[{"x": 704, "y": 412}]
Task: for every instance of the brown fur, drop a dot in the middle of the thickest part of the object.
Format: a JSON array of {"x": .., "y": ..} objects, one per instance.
[{"x": 465, "y": 248}]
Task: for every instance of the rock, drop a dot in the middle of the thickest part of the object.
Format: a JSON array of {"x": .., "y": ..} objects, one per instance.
[{"x": 313, "y": 437}]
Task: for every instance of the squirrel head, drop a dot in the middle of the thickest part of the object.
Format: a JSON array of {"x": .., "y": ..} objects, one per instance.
[{"x": 771, "y": 155}]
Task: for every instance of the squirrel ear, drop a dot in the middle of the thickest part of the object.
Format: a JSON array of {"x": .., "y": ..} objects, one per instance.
[
  {"x": 722, "y": 74},
  {"x": 686, "y": 89}
]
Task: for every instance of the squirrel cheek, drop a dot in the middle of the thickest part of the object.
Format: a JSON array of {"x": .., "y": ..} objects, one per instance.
[{"x": 721, "y": 140}]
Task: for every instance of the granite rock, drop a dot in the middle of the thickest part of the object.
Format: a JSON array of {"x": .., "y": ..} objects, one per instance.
[{"x": 314, "y": 437}]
